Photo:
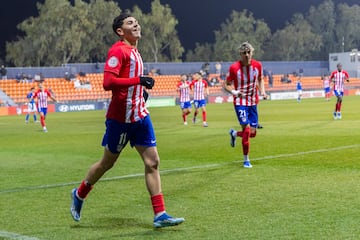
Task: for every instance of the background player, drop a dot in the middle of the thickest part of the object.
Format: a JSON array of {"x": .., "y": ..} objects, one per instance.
[
  {"x": 184, "y": 90},
  {"x": 326, "y": 83},
  {"x": 299, "y": 88},
  {"x": 200, "y": 88},
  {"x": 42, "y": 96},
  {"x": 31, "y": 106},
  {"x": 338, "y": 77},
  {"x": 244, "y": 77}
]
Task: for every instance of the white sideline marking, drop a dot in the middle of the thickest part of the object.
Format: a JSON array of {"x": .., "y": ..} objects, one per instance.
[
  {"x": 16, "y": 236},
  {"x": 179, "y": 169}
]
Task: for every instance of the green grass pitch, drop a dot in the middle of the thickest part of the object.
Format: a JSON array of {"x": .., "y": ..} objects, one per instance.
[{"x": 304, "y": 183}]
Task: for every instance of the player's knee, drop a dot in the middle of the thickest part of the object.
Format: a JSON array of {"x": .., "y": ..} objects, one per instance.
[{"x": 152, "y": 164}]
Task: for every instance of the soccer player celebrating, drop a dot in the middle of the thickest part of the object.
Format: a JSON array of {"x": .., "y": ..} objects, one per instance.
[
  {"x": 184, "y": 89},
  {"x": 200, "y": 88},
  {"x": 338, "y": 77},
  {"x": 243, "y": 82},
  {"x": 42, "y": 103},
  {"x": 127, "y": 120}
]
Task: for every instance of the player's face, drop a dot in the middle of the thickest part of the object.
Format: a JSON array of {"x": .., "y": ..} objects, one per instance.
[
  {"x": 130, "y": 30},
  {"x": 246, "y": 56},
  {"x": 339, "y": 67},
  {"x": 197, "y": 76}
]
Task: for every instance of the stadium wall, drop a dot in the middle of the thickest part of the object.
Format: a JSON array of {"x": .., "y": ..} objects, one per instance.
[{"x": 311, "y": 68}]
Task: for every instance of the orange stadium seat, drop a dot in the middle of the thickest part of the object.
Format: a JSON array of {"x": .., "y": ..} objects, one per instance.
[{"x": 165, "y": 85}]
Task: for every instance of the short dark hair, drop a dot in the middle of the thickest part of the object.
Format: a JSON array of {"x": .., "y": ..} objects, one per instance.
[{"x": 119, "y": 21}]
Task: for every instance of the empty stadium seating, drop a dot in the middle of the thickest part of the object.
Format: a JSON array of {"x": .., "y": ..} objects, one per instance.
[{"x": 165, "y": 86}]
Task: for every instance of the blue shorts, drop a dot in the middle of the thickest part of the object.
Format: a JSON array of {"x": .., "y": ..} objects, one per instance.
[
  {"x": 338, "y": 93},
  {"x": 117, "y": 135},
  {"x": 43, "y": 110},
  {"x": 327, "y": 89},
  {"x": 199, "y": 103},
  {"x": 247, "y": 115},
  {"x": 184, "y": 105}
]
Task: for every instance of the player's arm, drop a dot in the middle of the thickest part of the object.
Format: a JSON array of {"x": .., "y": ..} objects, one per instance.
[
  {"x": 207, "y": 88},
  {"x": 183, "y": 86},
  {"x": 51, "y": 96},
  {"x": 347, "y": 78},
  {"x": 227, "y": 86},
  {"x": 111, "y": 81},
  {"x": 262, "y": 86}
]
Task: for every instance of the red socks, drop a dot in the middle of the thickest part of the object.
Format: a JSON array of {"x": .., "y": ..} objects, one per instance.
[
  {"x": 84, "y": 189},
  {"x": 157, "y": 200},
  {"x": 204, "y": 116},
  {"x": 338, "y": 107},
  {"x": 184, "y": 116},
  {"x": 245, "y": 141},
  {"x": 42, "y": 121},
  {"x": 158, "y": 203},
  {"x": 240, "y": 134}
]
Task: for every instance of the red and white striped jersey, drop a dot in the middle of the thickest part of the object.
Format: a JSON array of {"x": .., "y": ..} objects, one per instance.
[
  {"x": 184, "y": 90},
  {"x": 244, "y": 79},
  {"x": 199, "y": 87},
  {"x": 127, "y": 102},
  {"x": 339, "y": 78},
  {"x": 42, "y": 97},
  {"x": 326, "y": 82}
]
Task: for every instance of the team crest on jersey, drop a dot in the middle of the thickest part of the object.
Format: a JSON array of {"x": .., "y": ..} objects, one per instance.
[{"x": 113, "y": 61}]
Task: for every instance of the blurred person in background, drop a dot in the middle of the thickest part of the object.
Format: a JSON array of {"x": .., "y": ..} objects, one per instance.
[
  {"x": 31, "y": 106},
  {"x": 200, "y": 92},
  {"x": 338, "y": 78},
  {"x": 42, "y": 96},
  {"x": 185, "y": 104}
]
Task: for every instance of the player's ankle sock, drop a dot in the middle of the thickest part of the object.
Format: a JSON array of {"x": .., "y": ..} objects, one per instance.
[
  {"x": 246, "y": 141},
  {"x": 184, "y": 117},
  {"x": 158, "y": 203},
  {"x": 84, "y": 189},
  {"x": 42, "y": 121},
  {"x": 337, "y": 107}
]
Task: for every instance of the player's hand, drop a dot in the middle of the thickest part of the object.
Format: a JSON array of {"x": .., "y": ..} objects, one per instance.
[
  {"x": 235, "y": 92},
  {"x": 148, "y": 82},
  {"x": 265, "y": 96}
]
